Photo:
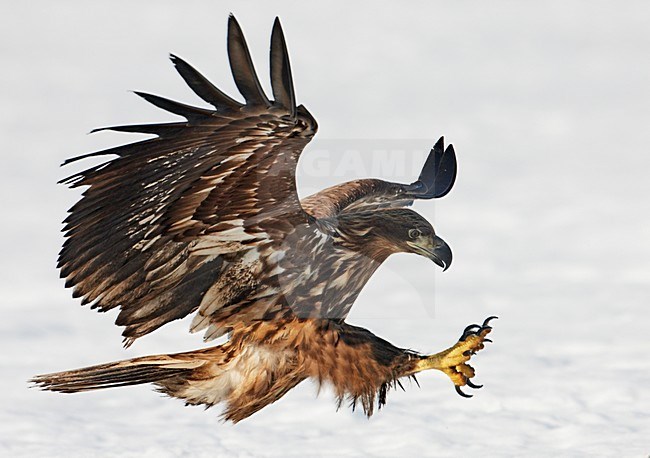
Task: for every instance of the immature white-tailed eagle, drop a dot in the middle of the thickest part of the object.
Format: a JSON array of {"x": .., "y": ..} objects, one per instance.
[{"x": 205, "y": 219}]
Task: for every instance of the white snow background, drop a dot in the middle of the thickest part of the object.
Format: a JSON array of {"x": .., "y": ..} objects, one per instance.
[{"x": 548, "y": 106}]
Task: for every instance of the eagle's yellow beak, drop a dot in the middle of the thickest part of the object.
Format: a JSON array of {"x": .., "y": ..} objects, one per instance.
[{"x": 433, "y": 248}]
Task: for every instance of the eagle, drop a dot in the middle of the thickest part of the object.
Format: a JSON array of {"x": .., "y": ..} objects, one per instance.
[{"x": 204, "y": 218}]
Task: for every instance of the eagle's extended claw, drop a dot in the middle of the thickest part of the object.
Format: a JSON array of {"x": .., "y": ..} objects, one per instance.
[
  {"x": 469, "y": 330},
  {"x": 453, "y": 361},
  {"x": 459, "y": 391},
  {"x": 487, "y": 320}
]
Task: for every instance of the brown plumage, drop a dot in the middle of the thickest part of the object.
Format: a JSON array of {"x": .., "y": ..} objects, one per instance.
[{"x": 205, "y": 219}]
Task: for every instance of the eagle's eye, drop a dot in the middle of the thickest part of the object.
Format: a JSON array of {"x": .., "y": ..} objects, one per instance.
[{"x": 414, "y": 233}]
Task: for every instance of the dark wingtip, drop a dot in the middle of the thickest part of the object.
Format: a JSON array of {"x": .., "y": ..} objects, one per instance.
[
  {"x": 75, "y": 159},
  {"x": 242, "y": 67},
  {"x": 281, "y": 78},
  {"x": 438, "y": 173},
  {"x": 161, "y": 129},
  {"x": 188, "y": 112},
  {"x": 233, "y": 23},
  {"x": 202, "y": 86},
  {"x": 175, "y": 59},
  {"x": 231, "y": 19}
]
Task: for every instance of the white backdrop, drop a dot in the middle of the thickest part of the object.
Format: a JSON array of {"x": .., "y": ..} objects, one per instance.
[{"x": 548, "y": 106}]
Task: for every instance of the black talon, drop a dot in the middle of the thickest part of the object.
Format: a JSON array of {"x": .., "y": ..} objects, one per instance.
[
  {"x": 458, "y": 390},
  {"x": 468, "y": 331},
  {"x": 487, "y": 340},
  {"x": 471, "y": 385},
  {"x": 488, "y": 319},
  {"x": 470, "y": 327}
]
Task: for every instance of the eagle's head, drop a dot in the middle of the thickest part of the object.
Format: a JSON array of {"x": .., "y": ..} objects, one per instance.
[{"x": 396, "y": 230}]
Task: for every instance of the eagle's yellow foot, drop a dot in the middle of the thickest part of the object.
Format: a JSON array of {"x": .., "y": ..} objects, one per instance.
[{"x": 453, "y": 361}]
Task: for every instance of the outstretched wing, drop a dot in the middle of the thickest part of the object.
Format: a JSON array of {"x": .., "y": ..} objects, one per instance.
[
  {"x": 155, "y": 225},
  {"x": 436, "y": 180}
]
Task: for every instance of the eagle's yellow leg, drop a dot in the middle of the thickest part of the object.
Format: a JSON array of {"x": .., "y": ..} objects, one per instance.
[{"x": 453, "y": 361}]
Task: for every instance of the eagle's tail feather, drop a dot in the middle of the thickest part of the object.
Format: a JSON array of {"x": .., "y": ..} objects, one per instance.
[
  {"x": 134, "y": 371},
  {"x": 246, "y": 378}
]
